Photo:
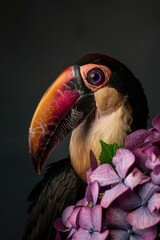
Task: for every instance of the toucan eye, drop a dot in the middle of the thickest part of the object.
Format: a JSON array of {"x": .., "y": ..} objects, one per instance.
[{"x": 95, "y": 76}]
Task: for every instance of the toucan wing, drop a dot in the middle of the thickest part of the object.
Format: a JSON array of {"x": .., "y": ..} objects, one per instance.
[{"x": 59, "y": 188}]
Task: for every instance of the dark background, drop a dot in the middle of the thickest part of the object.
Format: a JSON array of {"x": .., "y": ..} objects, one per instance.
[{"x": 38, "y": 40}]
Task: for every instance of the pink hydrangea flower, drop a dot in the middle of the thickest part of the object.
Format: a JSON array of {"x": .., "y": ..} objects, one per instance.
[
  {"x": 90, "y": 222},
  {"x": 119, "y": 179},
  {"x": 142, "y": 205}
]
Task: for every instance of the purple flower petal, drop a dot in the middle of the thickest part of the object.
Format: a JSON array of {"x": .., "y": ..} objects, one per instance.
[
  {"x": 82, "y": 203},
  {"x": 136, "y": 138},
  {"x": 140, "y": 159},
  {"x": 154, "y": 203},
  {"x": 88, "y": 194},
  {"x": 104, "y": 175},
  {"x": 88, "y": 174},
  {"x": 96, "y": 213},
  {"x": 92, "y": 192},
  {"x": 90, "y": 222},
  {"x": 91, "y": 218},
  {"x": 142, "y": 218},
  {"x": 59, "y": 226},
  {"x": 152, "y": 161},
  {"x": 155, "y": 135},
  {"x": 135, "y": 178},
  {"x": 73, "y": 217},
  {"x": 123, "y": 160},
  {"x": 116, "y": 217},
  {"x": 146, "y": 234},
  {"x": 95, "y": 191},
  {"x": 85, "y": 216},
  {"x": 147, "y": 190},
  {"x": 58, "y": 236},
  {"x": 100, "y": 236},
  {"x": 113, "y": 193},
  {"x": 93, "y": 161},
  {"x": 94, "y": 165},
  {"x": 155, "y": 175},
  {"x": 82, "y": 234},
  {"x": 66, "y": 214},
  {"x": 153, "y": 153},
  {"x": 121, "y": 229},
  {"x": 129, "y": 201},
  {"x": 71, "y": 232},
  {"x": 156, "y": 122},
  {"x": 91, "y": 195},
  {"x": 118, "y": 234},
  {"x": 134, "y": 237}
]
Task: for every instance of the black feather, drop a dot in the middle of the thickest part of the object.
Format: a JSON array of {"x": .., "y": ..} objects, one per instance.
[
  {"x": 59, "y": 188},
  {"x": 129, "y": 86}
]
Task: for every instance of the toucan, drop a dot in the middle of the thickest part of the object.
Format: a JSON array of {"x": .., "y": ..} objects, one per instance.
[{"x": 97, "y": 98}]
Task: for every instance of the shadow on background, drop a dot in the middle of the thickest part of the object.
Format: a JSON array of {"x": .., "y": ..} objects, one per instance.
[{"x": 41, "y": 38}]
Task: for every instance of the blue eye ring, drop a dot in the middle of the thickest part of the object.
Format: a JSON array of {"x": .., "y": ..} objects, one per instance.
[{"x": 95, "y": 76}]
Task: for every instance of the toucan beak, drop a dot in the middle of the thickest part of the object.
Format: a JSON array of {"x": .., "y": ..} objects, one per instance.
[{"x": 62, "y": 108}]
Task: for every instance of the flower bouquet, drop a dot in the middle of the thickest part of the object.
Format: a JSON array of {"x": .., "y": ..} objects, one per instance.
[{"x": 122, "y": 199}]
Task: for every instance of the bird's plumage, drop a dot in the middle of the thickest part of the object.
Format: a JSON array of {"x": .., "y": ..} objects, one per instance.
[
  {"x": 60, "y": 187},
  {"x": 119, "y": 107}
]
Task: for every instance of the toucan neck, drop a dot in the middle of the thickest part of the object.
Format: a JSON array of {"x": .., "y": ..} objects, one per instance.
[{"x": 111, "y": 128}]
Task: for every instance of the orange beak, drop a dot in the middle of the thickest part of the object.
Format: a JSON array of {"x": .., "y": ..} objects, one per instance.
[{"x": 62, "y": 108}]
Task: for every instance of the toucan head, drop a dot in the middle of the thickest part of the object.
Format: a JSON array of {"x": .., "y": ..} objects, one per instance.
[{"x": 94, "y": 87}]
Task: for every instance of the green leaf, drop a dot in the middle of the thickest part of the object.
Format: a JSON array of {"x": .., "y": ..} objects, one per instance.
[{"x": 108, "y": 152}]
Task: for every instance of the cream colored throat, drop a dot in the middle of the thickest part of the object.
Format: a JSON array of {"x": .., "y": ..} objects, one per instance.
[
  {"x": 110, "y": 127},
  {"x": 111, "y": 124}
]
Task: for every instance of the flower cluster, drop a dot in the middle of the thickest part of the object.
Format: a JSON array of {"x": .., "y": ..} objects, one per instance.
[{"x": 122, "y": 199}]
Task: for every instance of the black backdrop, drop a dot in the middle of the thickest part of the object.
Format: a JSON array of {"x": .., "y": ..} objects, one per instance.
[{"x": 38, "y": 40}]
